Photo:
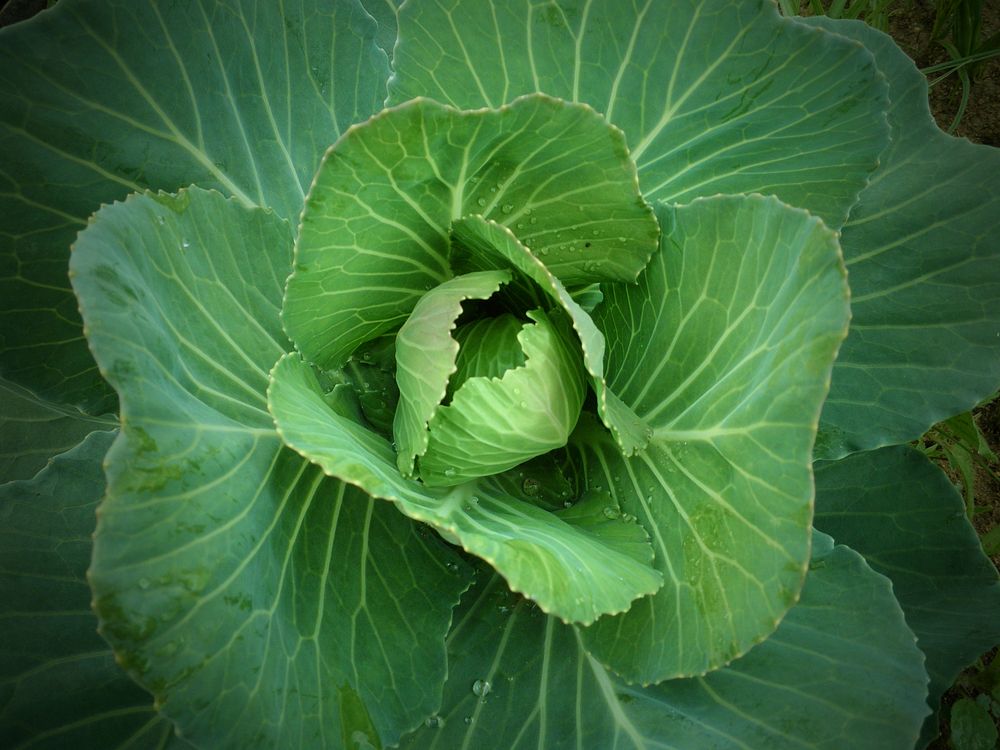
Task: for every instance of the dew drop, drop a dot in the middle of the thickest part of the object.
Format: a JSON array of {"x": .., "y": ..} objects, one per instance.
[
  {"x": 434, "y": 722},
  {"x": 481, "y": 688},
  {"x": 481, "y": 201},
  {"x": 185, "y": 244},
  {"x": 531, "y": 486},
  {"x": 144, "y": 583},
  {"x": 449, "y": 472},
  {"x": 533, "y": 220},
  {"x": 160, "y": 220},
  {"x": 507, "y": 208},
  {"x": 611, "y": 512},
  {"x": 467, "y": 719}
]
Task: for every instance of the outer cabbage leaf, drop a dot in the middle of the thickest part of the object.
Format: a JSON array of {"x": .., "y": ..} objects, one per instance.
[
  {"x": 905, "y": 516},
  {"x": 724, "y": 348},
  {"x": 923, "y": 255},
  {"x": 841, "y": 671},
  {"x": 575, "y": 570},
  {"x": 100, "y": 98},
  {"x": 33, "y": 430},
  {"x": 375, "y": 230},
  {"x": 261, "y": 602},
  {"x": 59, "y": 683},
  {"x": 714, "y": 96},
  {"x": 384, "y": 12}
]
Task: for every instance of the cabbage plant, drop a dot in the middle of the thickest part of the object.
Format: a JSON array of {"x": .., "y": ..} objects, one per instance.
[{"x": 474, "y": 375}]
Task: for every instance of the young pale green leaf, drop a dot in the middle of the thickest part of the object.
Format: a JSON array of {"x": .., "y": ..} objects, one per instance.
[
  {"x": 33, "y": 430},
  {"x": 482, "y": 243},
  {"x": 923, "y": 255},
  {"x": 948, "y": 589},
  {"x": 425, "y": 358},
  {"x": 724, "y": 348},
  {"x": 714, "y": 96},
  {"x": 573, "y": 571},
  {"x": 494, "y": 424},
  {"x": 60, "y": 683},
  {"x": 488, "y": 347},
  {"x": 375, "y": 229},
  {"x": 260, "y": 601},
  {"x": 841, "y": 671},
  {"x": 100, "y": 98}
]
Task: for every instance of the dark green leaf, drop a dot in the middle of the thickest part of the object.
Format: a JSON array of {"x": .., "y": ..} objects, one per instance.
[
  {"x": 972, "y": 727},
  {"x": 33, "y": 430},
  {"x": 841, "y": 672},
  {"x": 924, "y": 262},
  {"x": 60, "y": 686},
  {"x": 903, "y": 514},
  {"x": 100, "y": 98}
]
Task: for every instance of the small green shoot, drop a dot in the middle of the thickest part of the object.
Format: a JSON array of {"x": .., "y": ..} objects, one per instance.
[{"x": 959, "y": 442}]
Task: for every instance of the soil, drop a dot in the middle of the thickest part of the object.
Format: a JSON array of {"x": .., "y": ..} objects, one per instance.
[{"x": 911, "y": 27}]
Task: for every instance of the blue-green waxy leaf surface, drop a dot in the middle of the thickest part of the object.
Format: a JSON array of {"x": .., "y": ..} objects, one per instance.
[
  {"x": 100, "y": 98},
  {"x": 904, "y": 515},
  {"x": 923, "y": 255},
  {"x": 385, "y": 13},
  {"x": 841, "y": 671},
  {"x": 572, "y": 568},
  {"x": 724, "y": 349},
  {"x": 262, "y": 603},
  {"x": 60, "y": 685},
  {"x": 714, "y": 96},
  {"x": 375, "y": 228}
]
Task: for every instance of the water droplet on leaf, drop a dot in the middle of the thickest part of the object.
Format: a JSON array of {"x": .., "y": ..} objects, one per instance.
[{"x": 481, "y": 688}]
